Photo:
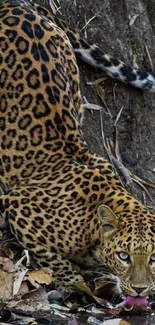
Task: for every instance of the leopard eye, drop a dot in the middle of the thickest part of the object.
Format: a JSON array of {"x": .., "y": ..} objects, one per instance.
[
  {"x": 124, "y": 256},
  {"x": 152, "y": 258}
]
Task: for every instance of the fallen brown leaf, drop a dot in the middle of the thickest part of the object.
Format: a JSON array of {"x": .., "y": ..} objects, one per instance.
[
  {"x": 18, "y": 280},
  {"x": 6, "y": 285},
  {"x": 41, "y": 276},
  {"x": 38, "y": 295},
  {"x": 6, "y": 264}
]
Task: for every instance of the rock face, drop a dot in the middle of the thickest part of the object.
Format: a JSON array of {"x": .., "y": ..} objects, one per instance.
[{"x": 126, "y": 30}]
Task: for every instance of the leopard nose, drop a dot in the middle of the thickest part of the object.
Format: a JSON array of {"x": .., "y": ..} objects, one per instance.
[{"x": 139, "y": 289}]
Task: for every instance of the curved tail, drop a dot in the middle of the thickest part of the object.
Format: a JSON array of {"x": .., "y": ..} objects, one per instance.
[{"x": 94, "y": 56}]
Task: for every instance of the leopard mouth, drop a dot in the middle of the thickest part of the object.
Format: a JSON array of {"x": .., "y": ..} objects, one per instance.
[{"x": 130, "y": 301}]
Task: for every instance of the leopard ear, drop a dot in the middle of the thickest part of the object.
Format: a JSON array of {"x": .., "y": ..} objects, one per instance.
[{"x": 109, "y": 220}]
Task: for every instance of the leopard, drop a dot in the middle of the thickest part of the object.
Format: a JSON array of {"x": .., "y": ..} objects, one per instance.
[{"x": 62, "y": 202}]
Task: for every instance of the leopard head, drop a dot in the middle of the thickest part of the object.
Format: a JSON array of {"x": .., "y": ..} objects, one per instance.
[{"x": 128, "y": 249}]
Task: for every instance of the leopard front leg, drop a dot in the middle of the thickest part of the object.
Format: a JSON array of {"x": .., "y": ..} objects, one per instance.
[
  {"x": 64, "y": 277},
  {"x": 33, "y": 222}
]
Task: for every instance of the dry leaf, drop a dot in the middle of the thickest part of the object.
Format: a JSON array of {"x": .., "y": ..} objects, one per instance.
[
  {"x": 7, "y": 264},
  {"x": 18, "y": 281},
  {"x": 38, "y": 295},
  {"x": 6, "y": 285},
  {"x": 42, "y": 276},
  {"x": 85, "y": 289},
  {"x": 24, "y": 305},
  {"x": 23, "y": 289}
]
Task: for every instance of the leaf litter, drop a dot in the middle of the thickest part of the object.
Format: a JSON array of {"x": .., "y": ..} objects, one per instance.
[{"x": 27, "y": 294}]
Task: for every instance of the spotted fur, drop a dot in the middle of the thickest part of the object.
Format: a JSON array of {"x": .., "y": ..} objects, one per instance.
[{"x": 62, "y": 202}]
